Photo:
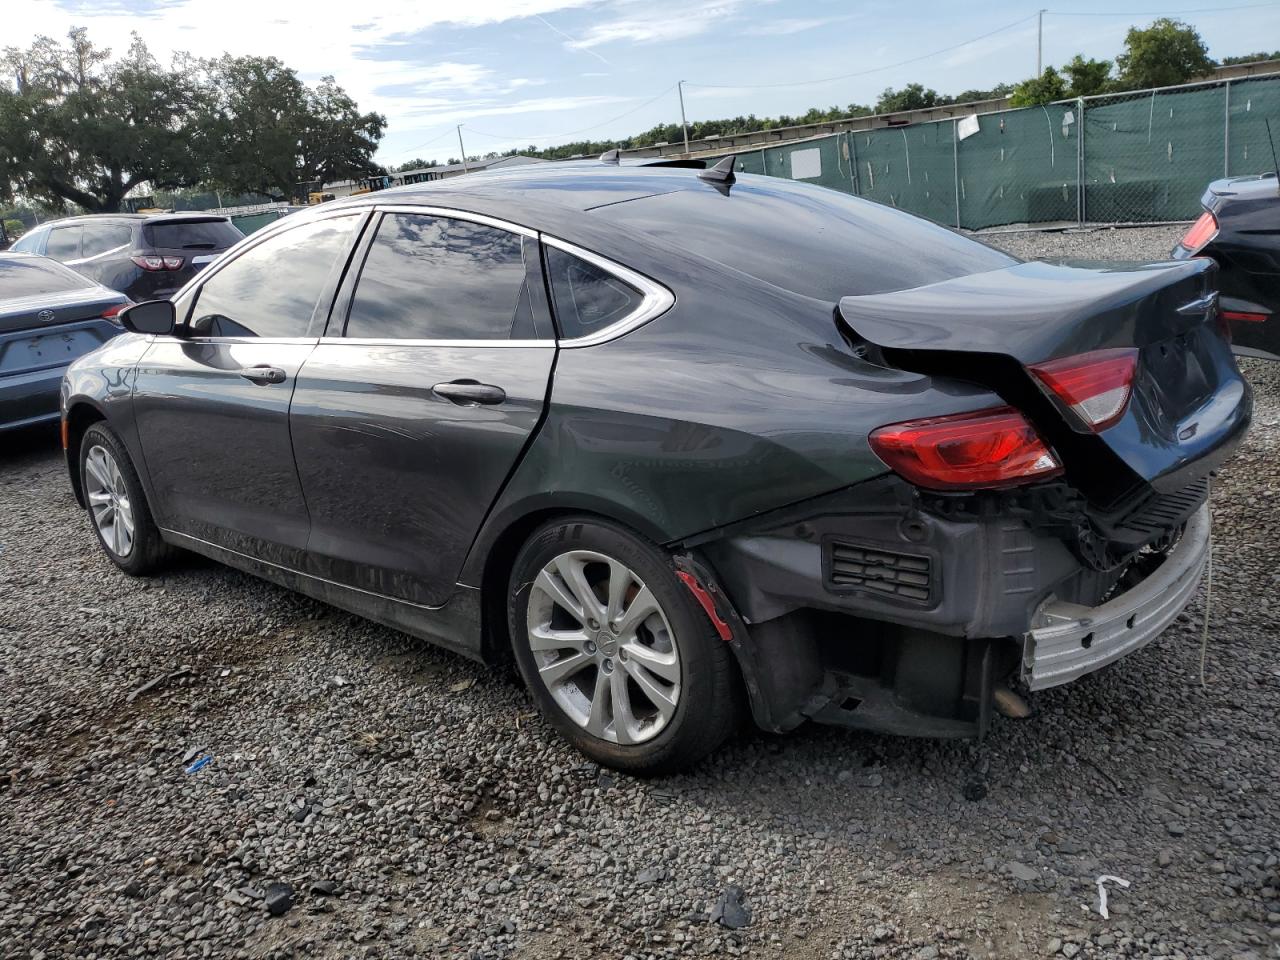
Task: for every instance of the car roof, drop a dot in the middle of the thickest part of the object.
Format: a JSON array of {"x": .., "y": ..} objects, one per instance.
[{"x": 801, "y": 237}]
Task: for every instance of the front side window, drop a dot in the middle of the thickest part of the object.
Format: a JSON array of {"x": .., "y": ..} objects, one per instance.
[
  {"x": 272, "y": 289},
  {"x": 64, "y": 243},
  {"x": 435, "y": 278},
  {"x": 587, "y": 298},
  {"x": 98, "y": 238}
]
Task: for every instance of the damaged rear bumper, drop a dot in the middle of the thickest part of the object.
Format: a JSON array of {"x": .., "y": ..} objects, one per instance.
[
  {"x": 885, "y": 609},
  {"x": 1068, "y": 640}
]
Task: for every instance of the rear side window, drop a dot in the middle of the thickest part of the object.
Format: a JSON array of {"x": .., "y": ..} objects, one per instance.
[
  {"x": 587, "y": 298},
  {"x": 435, "y": 278},
  {"x": 31, "y": 277},
  {"x": 64, "y": 243},
  {"x": 272, "y": 290},
  {"x": 26, "y": 244},
  {"x": 191, "y": 234},
  {"x": 98, "y": 238}
]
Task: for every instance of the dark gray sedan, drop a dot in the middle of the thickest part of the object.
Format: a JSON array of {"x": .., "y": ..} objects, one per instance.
[
  {"x": 681, "y": 443},
  {"x": 49, "y": 316}
]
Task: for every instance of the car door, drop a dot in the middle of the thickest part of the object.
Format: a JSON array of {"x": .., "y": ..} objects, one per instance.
[
  {"x": 104, "y": 249},
  {"x": 212, "y": 402},
  {"x": 416, "y": 405}
]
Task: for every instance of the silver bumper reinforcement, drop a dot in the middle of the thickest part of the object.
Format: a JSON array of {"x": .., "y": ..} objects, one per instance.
[{"x": 1069, "y": 640}]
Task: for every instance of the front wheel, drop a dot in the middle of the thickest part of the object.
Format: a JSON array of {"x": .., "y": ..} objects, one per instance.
[
  {"x": 616, "y": 652},
  {"x": 117, "y": 505}
]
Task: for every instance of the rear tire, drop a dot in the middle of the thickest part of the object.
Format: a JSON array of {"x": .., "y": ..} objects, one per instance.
[
  {"x": 616, "y": 652},
  {"x": 117, "y": 506}
]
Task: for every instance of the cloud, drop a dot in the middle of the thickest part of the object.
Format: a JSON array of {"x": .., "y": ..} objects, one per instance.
[
  {"x": 657, "y": 23},
  {"x": 365, "y": 46},
  {"x": 790, "y": 25}
]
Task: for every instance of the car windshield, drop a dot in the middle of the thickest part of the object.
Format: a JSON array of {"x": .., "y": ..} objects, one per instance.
[
  {"x": 192, "y": 234},
  {"x": 31, "y": 277}
]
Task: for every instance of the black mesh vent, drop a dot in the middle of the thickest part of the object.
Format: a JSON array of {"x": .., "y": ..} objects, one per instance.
[
  {"x": 1167, "y": 511},
  {"x": 905, "y": 576}
]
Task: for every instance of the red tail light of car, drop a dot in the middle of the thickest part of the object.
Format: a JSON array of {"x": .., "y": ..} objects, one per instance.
[
  {"x": 966, "y": 451},
  {"x": 158, "y": 263},
  {"x": 1201, "y": 232},
  {"x": 1096, "y": 386}
]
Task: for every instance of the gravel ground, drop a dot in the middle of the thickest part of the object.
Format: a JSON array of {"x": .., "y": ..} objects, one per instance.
[{"x": 415, "y": 805}]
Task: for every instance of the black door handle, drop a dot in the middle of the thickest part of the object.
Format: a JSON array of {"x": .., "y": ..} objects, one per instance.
[
  {"x": 263, "y": 374},
  {"x": 468, "y": 393}
]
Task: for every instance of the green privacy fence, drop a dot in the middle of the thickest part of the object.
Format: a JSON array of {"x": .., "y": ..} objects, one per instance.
[{"x": 1141, "y": 157}]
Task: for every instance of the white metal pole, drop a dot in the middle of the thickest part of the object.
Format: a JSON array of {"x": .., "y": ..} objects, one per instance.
[
  {"x": 1226, "y": 133},
  {"x": 465, "y": 168},
  {"x": 955, "y": 163},
  {"x": 1040, "y": 44},
  {"x": 684, "y": 124}
]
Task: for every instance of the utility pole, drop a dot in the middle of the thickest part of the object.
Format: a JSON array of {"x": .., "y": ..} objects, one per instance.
[
  {"x": 465, "y": 168},
  {"x": 1040, "y": 44},
  {"x": 684, "y": 124}
]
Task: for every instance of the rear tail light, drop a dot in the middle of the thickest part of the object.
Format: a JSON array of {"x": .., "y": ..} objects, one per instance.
[
  {"x": 988, "y": 448},
  {"x": 1096, "y": 386},
  {"x": 1201, "y": 232},
  {"x": 158, "y": 263}
]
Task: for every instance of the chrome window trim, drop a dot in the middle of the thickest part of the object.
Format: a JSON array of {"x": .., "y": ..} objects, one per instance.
[
  {"x": 301, "y": 341},
  {"x": 656, "y": 299},
  {"x": 394, "y": 342},
  {"x": 452, "y": 214},
  {"x": 255, "y": 239}
]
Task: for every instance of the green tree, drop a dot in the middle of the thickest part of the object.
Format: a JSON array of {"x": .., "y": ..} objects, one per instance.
[
  {"x": 1046, "y": 88},
  {"x": 1250, "y": 58},
  {"x": 913, "y": 96},
  {"x": 1166, "y": 53},
  {"x": 76, "y": 128},
  {"x": 413, "y": 165},
  {"x": 1087, "y": 77},
  {"x": 14, "y": 228},
  {"x": 266, "y": 131}
]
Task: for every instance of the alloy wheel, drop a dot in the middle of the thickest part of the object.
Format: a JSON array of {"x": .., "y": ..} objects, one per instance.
[
  {"x": 603, "y": 647},
  {"x": 109, "y": 500}
]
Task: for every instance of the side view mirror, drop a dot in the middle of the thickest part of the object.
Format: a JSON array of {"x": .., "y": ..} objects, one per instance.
[{"x": 154, "y": 316}]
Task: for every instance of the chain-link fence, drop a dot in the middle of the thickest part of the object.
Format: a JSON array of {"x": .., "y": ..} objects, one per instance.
[{"x": 1142, "y": 157}]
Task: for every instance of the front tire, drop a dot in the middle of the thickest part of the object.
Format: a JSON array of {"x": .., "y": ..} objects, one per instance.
[
  {"x": 117, "y": 506},
  {"x": 615, "y": 651}
]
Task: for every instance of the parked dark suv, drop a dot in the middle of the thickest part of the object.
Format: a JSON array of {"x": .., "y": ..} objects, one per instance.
[{"x": 145, "y": 257}]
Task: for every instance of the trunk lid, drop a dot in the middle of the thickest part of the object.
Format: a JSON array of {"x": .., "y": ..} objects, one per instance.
[{"x": 1189, "y": 404}]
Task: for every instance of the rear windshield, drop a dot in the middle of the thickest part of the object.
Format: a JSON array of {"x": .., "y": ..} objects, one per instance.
[
  {"x": 192, "y": 234},
  {"x": 31, "y": 277},
  {"x": 818, "y": 243}
]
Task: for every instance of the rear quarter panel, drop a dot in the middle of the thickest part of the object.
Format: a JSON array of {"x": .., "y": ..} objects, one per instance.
[{"x": 741, "y": 399}]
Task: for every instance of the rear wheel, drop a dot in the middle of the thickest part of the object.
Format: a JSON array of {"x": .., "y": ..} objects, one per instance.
[
  {"x": 615, "y": 650},
  {"x": 117, "y": 506}
]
